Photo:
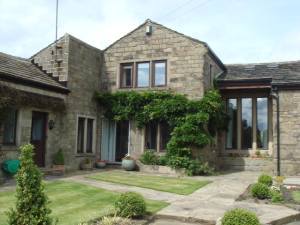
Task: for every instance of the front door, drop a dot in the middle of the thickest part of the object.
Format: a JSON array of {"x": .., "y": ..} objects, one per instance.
[
  {"x": 122, "y": 137},
  {"x": 38, "y": 136}
]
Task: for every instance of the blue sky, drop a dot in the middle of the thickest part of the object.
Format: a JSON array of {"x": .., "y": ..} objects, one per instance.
[{"x": 239, "y": 31}]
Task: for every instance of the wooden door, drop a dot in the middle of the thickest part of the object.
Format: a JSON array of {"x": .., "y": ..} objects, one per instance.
[{"x": 38, "y": 136}]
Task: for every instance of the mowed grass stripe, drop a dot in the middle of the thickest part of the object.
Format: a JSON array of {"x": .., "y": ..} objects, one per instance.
[
  {"x": 73, "y": 203},
  {"x": 182, "y": 186}
]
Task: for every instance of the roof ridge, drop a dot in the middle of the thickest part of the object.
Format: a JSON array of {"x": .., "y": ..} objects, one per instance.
[{"x": 263, "y": 63}]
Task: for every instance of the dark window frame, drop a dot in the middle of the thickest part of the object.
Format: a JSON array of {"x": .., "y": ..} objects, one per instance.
[
  {"x": 85, "y": 134},
  {"x": 153, "y": 75},
  {"x": 122, "y": 65}
]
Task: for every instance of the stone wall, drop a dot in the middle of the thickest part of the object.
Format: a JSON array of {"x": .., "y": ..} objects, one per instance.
[
  {"x": 289, "y": 132},
  {"x": 185, "y": 58}
]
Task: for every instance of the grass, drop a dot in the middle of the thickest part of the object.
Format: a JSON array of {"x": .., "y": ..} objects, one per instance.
[
  {"x": 296, "y": 196},
  {"x": 73, "y": 203},
  {"x": 180, "y": 186}
]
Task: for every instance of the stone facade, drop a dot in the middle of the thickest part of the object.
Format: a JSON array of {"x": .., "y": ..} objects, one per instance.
[{"x": 289, "y": 102}]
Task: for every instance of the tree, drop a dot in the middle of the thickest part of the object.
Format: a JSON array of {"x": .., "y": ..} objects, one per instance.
[{"x": 32, "y": 203}]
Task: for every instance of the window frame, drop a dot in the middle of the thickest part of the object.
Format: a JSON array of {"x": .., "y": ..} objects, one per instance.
[
  {"x": 85, "y": 133},
  {"x": 122, "y": 65},
  {"x": 137, "y": 71},
  {"x": 15, "y": 130},
  {"x": 254, "y": 147},
  {"x": 153, "y": 75}
]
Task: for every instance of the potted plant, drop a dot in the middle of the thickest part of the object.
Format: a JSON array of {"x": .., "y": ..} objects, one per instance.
[
  {"x": 59, "y": 162},
  {"x": 86, "y": 164},
  {"x": 100, "y": 163},
  {"x": 128, "y": 163}
]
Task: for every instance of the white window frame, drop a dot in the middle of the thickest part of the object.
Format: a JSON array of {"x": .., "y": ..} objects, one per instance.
[{"x": 85, "y": 117}]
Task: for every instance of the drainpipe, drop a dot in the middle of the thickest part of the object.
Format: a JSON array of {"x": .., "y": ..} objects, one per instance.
[{"x": 275, "y": 94}]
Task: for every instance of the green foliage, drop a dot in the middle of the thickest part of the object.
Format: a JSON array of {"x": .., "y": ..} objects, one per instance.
[
  {"x": 240, "y": 217},
  {"x": 149, "y": 158},
  {"x": 276, "y": 196},
  {"x": 130, "y": 205},
  {"x": 59, "y": 158},
  {"x": 265, "y": 179},
  {"x": 260, "y": 191},
  {"x": 162, "y": 160},
  {"x": 194, "y": 123},
  {"x": 32, "y": 203}
]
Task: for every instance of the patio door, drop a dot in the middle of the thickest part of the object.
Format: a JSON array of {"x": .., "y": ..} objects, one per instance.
[
  {"x": 38, "y": 136},
  {"x": 114, "y": 140}
]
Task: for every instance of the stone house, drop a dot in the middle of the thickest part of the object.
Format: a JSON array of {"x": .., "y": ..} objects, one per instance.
[{"x": 52, "y": 104}]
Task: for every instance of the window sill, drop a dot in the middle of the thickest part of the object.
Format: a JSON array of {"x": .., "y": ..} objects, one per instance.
[
  {"x": 85, "y": 155},
  {"x": 12, "y": 147}
]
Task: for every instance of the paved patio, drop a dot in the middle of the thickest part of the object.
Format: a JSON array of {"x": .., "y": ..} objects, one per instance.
[{"x": 208, "y": 204}]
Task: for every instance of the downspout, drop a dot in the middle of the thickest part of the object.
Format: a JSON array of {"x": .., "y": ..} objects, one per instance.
[{"x": 275, "y": 94}]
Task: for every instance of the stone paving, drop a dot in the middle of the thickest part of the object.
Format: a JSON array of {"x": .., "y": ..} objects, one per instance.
[{"x": 207, "y": 204}]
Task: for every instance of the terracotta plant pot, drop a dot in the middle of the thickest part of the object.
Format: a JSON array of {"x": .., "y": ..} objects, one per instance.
[{"x": 100, "y": 164}]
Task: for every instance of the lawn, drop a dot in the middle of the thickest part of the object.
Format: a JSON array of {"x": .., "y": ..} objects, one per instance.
[
  {"x": 296, "y": 196},
  {"x": 72, "y": 203},
  {"x": 182, "y": 186}
]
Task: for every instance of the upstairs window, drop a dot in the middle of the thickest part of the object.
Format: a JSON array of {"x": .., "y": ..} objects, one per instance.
[
  {"x": 126, "y": 75},
  {"x": 10, "y": 127},
  {"x": 159, "y": 73},
  {"x": 143, "y": 74}
]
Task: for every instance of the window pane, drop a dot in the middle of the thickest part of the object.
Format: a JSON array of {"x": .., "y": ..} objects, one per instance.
[
  {"x": 231, "y": 135},
  {"x": 89, "y": 138},
  {"x": 262, "y": 123},
  {"x": 9, "y": 123},
  {"x": 80, "y": 135},
  {"x": 126, "y": 76},
  {"x": 143, "y": 71},
  {"x": 159, "y": 73},
  {"x": 165, "y": 135},
  {"x": 246, "y": 123},
  {"x": 151, "y": 134}
]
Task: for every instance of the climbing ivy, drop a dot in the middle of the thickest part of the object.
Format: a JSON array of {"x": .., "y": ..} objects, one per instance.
[{"x": 194, "y": 123}]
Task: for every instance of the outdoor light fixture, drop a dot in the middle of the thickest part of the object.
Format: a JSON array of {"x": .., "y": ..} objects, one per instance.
[{"x": 51, "y": 124}]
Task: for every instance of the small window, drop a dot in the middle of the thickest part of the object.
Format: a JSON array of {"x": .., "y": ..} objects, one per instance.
[
  {"x": 126, "y": 75},
  {"x": 246, "y": 131},
  {"x": 80, "y": 135},
  {"x": 159, "y": 73},
  {"x": 231, "y": 135},
  {"x": 85, "y": 135},
  {"x": 262, "y": 123},
  {"x": 143, "y": 74},
  {"x": 9, "y": 126}
]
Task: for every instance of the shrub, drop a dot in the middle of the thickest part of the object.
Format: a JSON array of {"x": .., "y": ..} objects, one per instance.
[
  {"x": 265, "y": 179},
  {"x": 114, "y": 220},
  {"x": 32, "y": 202},
  {"x": 130, "y": 204},
  {"x": 276, "y": 196},
  {"x": 197, "y": 167},
  {"x": 260, "y": 191},
  {"x": 240, "y": 217},
  {"x": 162, "y": 160},
  {"x": 59, "y": 158},
  {"x": 149, "y": 158}
]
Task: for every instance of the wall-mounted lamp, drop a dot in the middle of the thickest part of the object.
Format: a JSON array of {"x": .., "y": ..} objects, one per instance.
[{"x": 51, "y": 124}]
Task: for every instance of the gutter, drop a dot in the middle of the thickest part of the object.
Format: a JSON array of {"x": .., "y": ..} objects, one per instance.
[{"x": 275, "y": 94}]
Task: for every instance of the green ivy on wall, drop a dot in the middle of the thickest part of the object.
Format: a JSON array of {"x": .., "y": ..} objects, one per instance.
[{"x": 194, "y": 123}]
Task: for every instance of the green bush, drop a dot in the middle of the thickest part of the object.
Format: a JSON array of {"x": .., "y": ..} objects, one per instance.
[
  {"x": 276, "y": 196},
  {"x": 32, "y": 203},
  {"x": 196, "y": 167},
  {"x": 265, "y": 179},
  {"x": 240, "y": 217},
  {"x": 260, "y": 191},
  {"x": 59, "y": 158},
  {"x": 162, "y": 160},
  {"x": 149, "y": 158},
  {"x": 130, "y": 205}
]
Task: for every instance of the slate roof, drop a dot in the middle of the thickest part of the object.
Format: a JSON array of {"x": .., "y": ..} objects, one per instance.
[
  {"x": 280, "y": 73},
  {"x": 22, "y": 70}
]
